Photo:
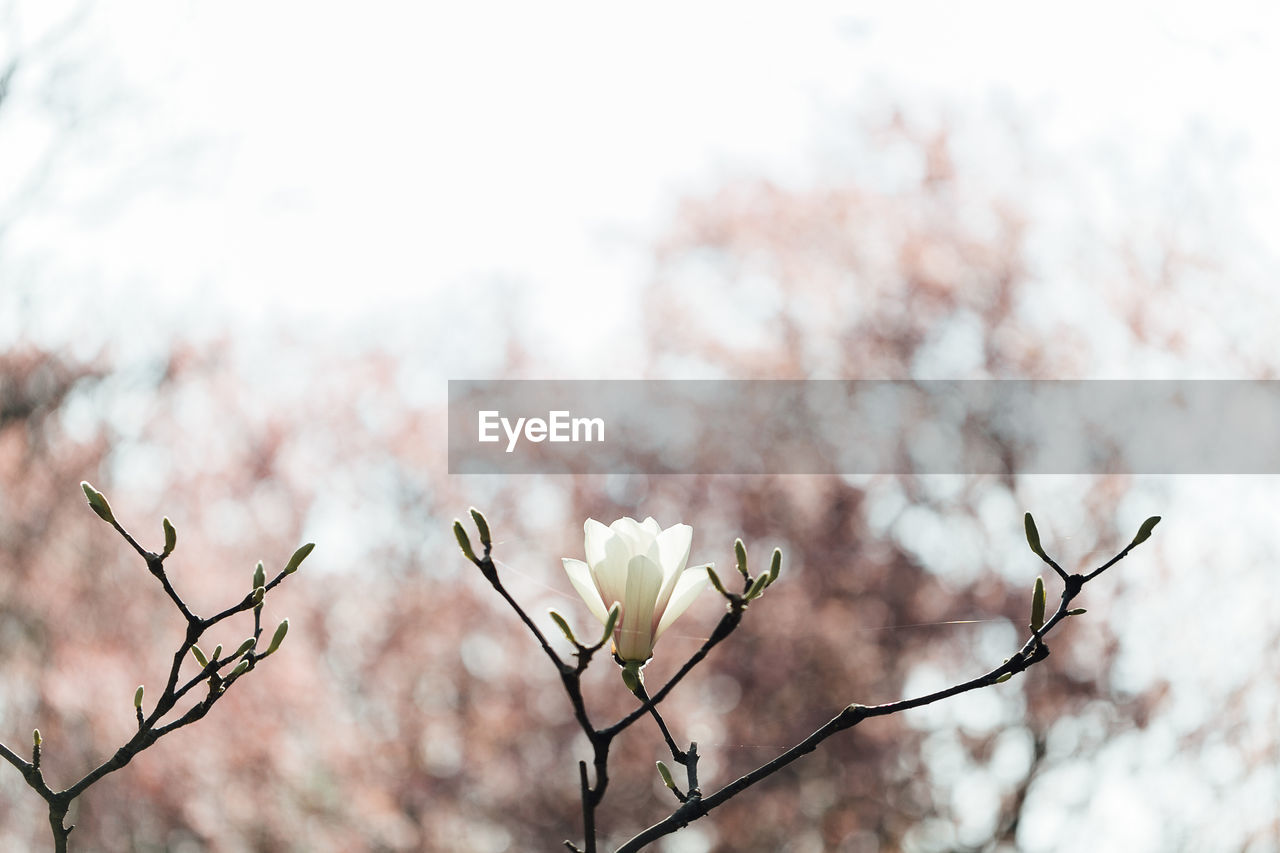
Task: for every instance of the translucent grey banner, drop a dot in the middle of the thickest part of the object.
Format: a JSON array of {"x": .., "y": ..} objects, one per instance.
[{"x": 864, "y": 427}]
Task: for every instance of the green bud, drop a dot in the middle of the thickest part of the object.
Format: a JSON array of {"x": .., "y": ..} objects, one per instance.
[
  {"x": 563, "y": 626},
  {"x": 611, "y": 622},
  {"x": 483, "y": 526},
  {"x": 1079, "y": 611},
  {"x": 715, "y": 580},
  {"x": 258, "y": 594},
  {"x": 216, "y": 651},
  {"x": 1144, "y": 532},
  {"x": 1002, "y": 679},
  {"x": 1033, "y": 536},
  {"x": 36, "y": 740},
  {"x": 278, "y": 637},
  {"x": 740, "y": 551},
  {"x": 775, "y": 565},
  {"x": 297, "y": 558},
  {"x": 240, "y": 667},
  {"x": 199, "y": 656},
  {"x": 1037, "y": 605},
  {"x": 463, "y": 541},
  {"x": 631, "y": 675},
  {"x": 757, "y": 587},
  {"x": 259, "y": 575},
  {"x": 97, "y": 502},
  {"x": 244, "y": 647},
  {"x": 170, "y": 537},
  {"x": 137, "y": 697},
  {"x": 665, "y": 773}
]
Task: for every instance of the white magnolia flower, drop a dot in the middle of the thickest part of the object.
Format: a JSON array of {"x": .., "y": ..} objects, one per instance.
[{"x": 642, "y": 567}]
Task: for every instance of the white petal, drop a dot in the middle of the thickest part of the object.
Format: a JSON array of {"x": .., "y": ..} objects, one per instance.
[
  {"x": 635, "y": 635},
  {"x": 673, "y": 544},
  {"x": 580, "y": 576},
  {"x": 629, "y": 531},
  {"x": 607, "y": 556},
  {"x": 596, "y": 537},
  {"x": 625, "y": 524},
  {"x": 649, "y": 545},
  {"x": 651, "y": 526},
  {"x": 611, "y": 573},
  {"x": 691, "y": 583}
]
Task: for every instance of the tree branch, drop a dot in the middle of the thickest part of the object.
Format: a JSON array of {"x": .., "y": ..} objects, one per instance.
[
  {"x": 150, "y": 727},
  {"x": 1032, "y": 652}
]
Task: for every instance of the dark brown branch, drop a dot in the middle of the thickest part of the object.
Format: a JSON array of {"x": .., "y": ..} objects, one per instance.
[
  {"x": 723, "y": 629},
  {"x": 676, "y": 752},
  {"x": 150, "y": 727},
  {"x": 693, "y": 805},
  {"x": 571, "y": 678},
  {"x": 1032, "y": 652}
]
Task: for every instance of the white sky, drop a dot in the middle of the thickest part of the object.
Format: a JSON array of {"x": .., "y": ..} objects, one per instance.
[{"x": 301, "y": 161}]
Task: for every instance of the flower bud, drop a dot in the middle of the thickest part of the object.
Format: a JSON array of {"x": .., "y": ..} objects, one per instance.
[
  {"x": 757, "y": 588},
  {"x": 97, "y": 502},
  {"x": 36, "y": 740},
  {"x": 631, "y": 676},
  {"x": 137, "y": 697},
  {"x": 297, "y": 558},
  {"x": 240, "y": 667},
  {"x": 665, "y": 773},
  {"x": 259, "y": 575},
  {"x": 464, "y": 542},
  {"x": 278, "y": 637},
  {"x": 1144, "y": 532},
  {"x": 740, "y": 551},
  {"x": 715, "y": 580},
  {"x": 775, "y": 565},
  {"x": 1002, "y": 679},
  {"x": 199, "y": 656},
  {"x": 563, "y": 626},
  {"x": 170, "y": 537},
  {"x": 244, "y": 647},
  {"x": 1033, "y": 536},
  {"x": 258, "y": 594},
  {"x": 1079, "y": 611},
  {"x": 216, "y": 651},
  {"x": 611, "y": 622},
  {"x": 483, "y": 526},
  {"x": 1037, "y": 605}
]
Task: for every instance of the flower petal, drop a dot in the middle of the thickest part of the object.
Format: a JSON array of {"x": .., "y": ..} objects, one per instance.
[
  {"x": 607, "y": 556},
  {"x": 580, "y": 576},
  {"x": 651, "y": 531},
  {"x": 611, "y": 575},
  {"x": 597, "y": 535},
  {"x": 635, "y": 633},
  {"x": 673, "y": 547},
  {"x": 692, "y": 582},
  {"x": 629, "y": 531}
]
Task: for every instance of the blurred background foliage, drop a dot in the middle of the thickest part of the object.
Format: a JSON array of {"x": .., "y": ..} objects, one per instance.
[{"x": 410, "y": 711}]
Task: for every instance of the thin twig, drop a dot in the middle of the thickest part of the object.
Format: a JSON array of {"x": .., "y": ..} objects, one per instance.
[
  {"x": 1032, "y": 652},
  {"x": 150, "y": 726}
]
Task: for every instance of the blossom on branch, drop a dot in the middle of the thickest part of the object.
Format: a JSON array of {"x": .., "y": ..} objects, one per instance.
[{"x": 642, "y": 567}]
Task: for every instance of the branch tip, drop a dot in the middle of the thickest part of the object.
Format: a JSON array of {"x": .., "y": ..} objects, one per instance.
[{"x": 482, "y": 525}]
